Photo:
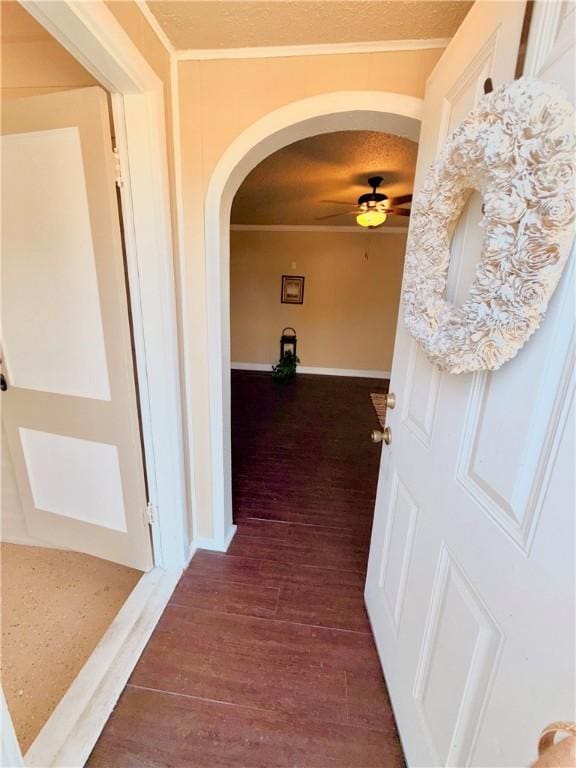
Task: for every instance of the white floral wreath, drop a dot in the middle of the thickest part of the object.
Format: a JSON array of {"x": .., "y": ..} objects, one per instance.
[{"x": 516, "y": 148}]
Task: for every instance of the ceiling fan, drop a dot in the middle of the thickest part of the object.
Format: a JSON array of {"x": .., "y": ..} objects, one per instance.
[{"x": 373, "y": 207}]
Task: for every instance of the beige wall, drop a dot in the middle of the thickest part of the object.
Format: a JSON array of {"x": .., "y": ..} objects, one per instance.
[
  {"x": 33, "y": 62},
  {"x": 348, "y": 319},
  {"x": 218, "y": 100}
]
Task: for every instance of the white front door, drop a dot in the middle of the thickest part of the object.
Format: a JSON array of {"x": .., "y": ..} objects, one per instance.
[
  {"x": 470, "y": 586},
  {"x": 70, "y": 410}
]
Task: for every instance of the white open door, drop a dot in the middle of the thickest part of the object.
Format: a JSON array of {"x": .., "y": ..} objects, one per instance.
[
  {"x": 70, "y": 410},
  {"x": 470, "y": 586}
]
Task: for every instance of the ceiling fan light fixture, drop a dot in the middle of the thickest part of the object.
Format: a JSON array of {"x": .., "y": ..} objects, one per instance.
[{"x": 371, "y": 218}]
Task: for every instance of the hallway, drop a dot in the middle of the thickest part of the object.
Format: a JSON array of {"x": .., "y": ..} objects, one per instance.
[{"x": 264, "y": 655}]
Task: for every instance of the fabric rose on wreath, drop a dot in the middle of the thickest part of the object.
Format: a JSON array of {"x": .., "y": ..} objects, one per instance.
[{"x": 516, "y": 147}]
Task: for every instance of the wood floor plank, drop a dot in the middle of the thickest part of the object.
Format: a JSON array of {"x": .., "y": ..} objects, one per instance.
[
  {"x": 193, "y": 631},
  {"x": 226, "y": 595},
  {"x": 310, "y": 575},
  {"x": 149, "y": 729},
  {"x": 301, "y": 533},
  {"x": 249, "y": 570},
  {"x": 341, "y": 608},
  {"x": 322, "y": 551},
  {"x": 368, "y": 702},
  {"x": 239, "y": 661}
]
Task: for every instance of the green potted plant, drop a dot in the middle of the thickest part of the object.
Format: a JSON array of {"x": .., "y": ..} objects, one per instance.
[{"x": 285, "y": 369}]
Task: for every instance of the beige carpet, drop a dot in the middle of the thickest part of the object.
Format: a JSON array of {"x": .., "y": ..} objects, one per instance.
[{"x": 56, "y": 605}]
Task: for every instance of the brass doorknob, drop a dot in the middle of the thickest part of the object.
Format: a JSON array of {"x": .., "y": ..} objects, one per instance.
[
  {"x": 382, "y": 437},
  {"x": 391, "y": 400}
]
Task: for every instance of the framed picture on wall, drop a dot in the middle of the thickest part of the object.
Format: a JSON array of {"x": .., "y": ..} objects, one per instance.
[{"x": 292, "y": 289}]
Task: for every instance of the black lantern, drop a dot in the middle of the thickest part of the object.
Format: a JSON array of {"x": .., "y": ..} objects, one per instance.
[{"x": 288, "y": 342}]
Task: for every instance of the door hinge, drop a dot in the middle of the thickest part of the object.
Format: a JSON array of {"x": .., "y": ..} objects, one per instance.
[
  {"x": 149, "y": 514},
  {"x": 117, "y": 168}
]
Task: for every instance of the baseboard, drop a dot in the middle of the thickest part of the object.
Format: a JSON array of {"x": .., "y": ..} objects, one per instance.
[
  {"x": 72, "y": 730},
  {"x": 191, "y": 552},
  {"x": 250, "y": 366},
  {"x": 351, "y": 372},
  {"x": 10, "y": 754},
  {"x": 216, "y": 545}
]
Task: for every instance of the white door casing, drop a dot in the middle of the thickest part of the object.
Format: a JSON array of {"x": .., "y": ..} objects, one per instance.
[
  {"x": 70, "y": 411},
  {"x": 340, "y": 110},
  {"x": 470, "y": 586},
  {"x": 92, "y": 35}
]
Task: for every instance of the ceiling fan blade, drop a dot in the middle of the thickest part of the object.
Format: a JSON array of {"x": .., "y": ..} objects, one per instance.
[
  {"x": 398, "y": 211},
  {"x": 334, "y": 215},
  {"x": 400, "y": 200},
  {"x": 336, "y": 202}
]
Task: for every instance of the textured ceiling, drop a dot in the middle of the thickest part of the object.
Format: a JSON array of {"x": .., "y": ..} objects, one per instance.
[
  {"x": 247, "y": 23},
  {"x": 288, "y": 186}
]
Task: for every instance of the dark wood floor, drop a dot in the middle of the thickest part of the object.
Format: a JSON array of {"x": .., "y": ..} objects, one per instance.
[{"x": 264, "y": 655}]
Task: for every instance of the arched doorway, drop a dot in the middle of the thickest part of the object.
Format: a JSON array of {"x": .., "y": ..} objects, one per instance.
[{"x": 347, "y": 110}]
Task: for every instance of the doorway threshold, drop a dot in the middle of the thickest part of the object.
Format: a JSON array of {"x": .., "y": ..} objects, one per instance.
[{"x": 72, "y": 730}]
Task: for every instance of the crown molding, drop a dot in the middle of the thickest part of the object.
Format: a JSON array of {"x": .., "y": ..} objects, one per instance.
[
  {"x": 320, "y": 49},
  {"x": 153, "y": 21},
  {"x": 281, "y": 51},
  {"x": 356, "y": 230}
]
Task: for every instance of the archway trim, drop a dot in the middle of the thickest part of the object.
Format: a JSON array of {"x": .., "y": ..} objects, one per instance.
[{"x": 325, "y": 113}]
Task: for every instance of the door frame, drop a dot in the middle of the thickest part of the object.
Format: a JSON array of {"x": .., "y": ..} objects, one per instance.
[
  {"x": 324, "y": 113},
  {"x": 96, "y": 40}
]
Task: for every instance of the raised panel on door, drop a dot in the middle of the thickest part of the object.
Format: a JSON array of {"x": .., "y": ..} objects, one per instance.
[
  {"x": 70, "y": 411},
  {"x": 461, "y": 642},
  {"x": 397, "y": 547},
  {"x": 52, "y": 324},
  {"x": 505, "y": 471},
  {"x": 420, "y": 396},
  {"x": 466, "y": 243}
]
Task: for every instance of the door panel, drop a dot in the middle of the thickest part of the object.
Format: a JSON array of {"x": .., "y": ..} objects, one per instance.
[
  {"x": 49, "y": 253},
  {"x": 462, "y": 637},
  {"x": 70, "y": 411},
  {"x": 478, "y": 657},
  {"x": 76, "y": 478},
  {"x": 401, "y": 520},
  {"x": 421, "y": 395}
]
